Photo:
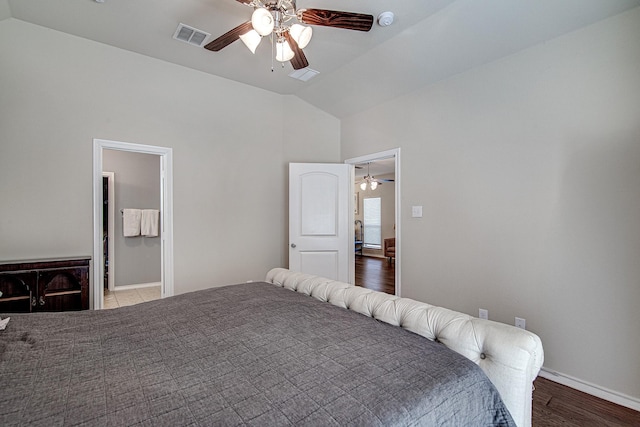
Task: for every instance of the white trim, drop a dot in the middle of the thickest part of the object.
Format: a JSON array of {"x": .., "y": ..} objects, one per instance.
[
  {"x": 395, "y": 153},
  {"x": 110, "y": 234},
  {"x": 137, "y": 286},
  {"x": 166, "y": 213},
  {"x": 592, "y": 389},
  {"x": 352, "y": 230}
]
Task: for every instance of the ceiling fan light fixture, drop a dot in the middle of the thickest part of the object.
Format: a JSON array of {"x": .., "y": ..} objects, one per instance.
[
  {"x": 301, "y": 34},
  {"x": 262, "y": 21},
  {"x": 368, "y": 179},
  {"x": 283, "y": 51},
  {"x": 274, "y": 18},
  {"x": 251, "y": 40}
]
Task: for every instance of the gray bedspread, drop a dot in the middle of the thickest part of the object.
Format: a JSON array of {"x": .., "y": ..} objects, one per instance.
[{"x": 249, "y": 354}]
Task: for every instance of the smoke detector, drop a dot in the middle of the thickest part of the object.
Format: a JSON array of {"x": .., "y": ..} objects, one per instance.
[{"x": 385, "y": 19}]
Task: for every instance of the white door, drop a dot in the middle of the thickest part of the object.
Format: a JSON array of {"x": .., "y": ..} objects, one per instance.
[{"x": 320, "y": 218}]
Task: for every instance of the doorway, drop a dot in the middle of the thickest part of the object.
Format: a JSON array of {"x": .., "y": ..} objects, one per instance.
[
  {"x": 373, "y": 263},
  {"x": 164, "y": 156}
]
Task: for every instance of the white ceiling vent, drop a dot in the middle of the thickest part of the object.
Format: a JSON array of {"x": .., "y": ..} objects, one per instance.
[
  {"x": 304, "y": 74},
  {"x": 190, "y": 35}
]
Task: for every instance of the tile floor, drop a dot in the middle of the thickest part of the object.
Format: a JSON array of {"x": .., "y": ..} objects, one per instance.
[{"x": 126, "y": 297}]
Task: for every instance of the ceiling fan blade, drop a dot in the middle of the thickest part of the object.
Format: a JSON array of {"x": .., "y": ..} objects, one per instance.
[
  {"x": 299, "y": 59},
  {"x": 229, "y": 37},
  {"x": 336, "y": 19},
  {"x": 247, "y": 2}
]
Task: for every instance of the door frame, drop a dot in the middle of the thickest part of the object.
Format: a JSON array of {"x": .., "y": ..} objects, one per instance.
[
  {"x": 111, "y": 218},
  {"x": 395, "y": 153},
  {"x": 166, "y": 213}
]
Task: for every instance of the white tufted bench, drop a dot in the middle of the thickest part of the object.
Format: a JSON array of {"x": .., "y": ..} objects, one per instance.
[{"x": 509, "y": 356}]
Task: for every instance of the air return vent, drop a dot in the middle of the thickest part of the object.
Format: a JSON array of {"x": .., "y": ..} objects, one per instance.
[
  {"x": 190, "y": 35},
  {"x": 304, "y": 74}
]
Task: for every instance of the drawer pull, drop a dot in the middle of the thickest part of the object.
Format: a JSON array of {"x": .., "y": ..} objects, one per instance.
[{"x": 41, "y": 300}]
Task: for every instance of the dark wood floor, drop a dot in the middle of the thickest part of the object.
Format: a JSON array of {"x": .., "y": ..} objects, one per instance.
[
  {"x": 377, "y": 274},
  {"x": 557, "y": 405},
  {"x": 553, "y": 404}
]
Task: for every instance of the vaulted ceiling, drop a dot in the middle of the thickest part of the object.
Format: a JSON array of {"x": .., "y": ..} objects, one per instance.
[{"x": 430, "y": 40}]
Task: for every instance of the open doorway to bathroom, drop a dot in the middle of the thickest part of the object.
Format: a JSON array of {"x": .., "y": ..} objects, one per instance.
[
  {"x": 132, "y": 264},
  {"x": 131, "y": 268}
]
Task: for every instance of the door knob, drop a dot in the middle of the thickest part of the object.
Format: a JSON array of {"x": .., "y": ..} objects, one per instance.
[{"x": 293, "y": 245}]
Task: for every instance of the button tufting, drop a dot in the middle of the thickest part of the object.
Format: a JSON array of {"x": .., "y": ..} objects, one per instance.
[{"x": 483, "y": 356}]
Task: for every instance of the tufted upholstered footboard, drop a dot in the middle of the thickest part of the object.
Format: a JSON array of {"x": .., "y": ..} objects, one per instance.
[{"x": 510, "y": 357}]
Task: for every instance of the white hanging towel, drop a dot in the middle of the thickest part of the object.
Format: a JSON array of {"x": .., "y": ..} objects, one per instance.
[
  {"x": 149, "y": 224},
  {"x": 131, "y": 222}
]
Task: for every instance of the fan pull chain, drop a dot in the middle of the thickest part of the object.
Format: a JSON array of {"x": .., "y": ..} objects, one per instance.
[{"x": 273, "y": 47}]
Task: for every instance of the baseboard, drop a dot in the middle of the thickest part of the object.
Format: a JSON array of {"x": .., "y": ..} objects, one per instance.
[
  {"x": 137, "y": 286},
  {"x": 592, "y": 389}
]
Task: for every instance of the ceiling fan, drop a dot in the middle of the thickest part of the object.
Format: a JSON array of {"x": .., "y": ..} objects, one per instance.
[
  {"x": 274, "y": 18},
  {"x": 370, "y": 180}
]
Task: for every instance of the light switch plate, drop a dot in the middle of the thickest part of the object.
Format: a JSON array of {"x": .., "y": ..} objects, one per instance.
[{"x": 416, "y": 211}]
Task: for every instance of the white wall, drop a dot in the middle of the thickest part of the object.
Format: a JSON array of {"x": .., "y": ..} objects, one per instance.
[
  {"x": 528, "y": 171},
  {"x": 58, "y": 92}
]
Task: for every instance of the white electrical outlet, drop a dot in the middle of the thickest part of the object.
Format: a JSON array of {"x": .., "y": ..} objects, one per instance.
[
  {"x": 483, "y": 314},
  {"x": 521, "y": 323}
]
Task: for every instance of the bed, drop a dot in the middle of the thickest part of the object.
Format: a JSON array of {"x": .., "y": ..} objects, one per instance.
[{"x": 259, "y": 354}]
